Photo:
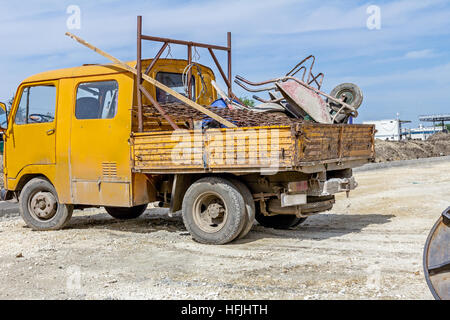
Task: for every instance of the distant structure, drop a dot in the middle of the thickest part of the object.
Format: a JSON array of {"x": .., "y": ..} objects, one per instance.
[
  {"x": 390, "y": 129},
  {"x": 437, "y": 118},
  {"x": 421, "y": 133}
]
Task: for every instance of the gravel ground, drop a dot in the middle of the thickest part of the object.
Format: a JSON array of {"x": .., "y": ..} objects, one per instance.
[{"x": 368, "y": 247}]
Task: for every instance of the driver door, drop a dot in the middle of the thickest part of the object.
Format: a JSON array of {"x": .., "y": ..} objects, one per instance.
[{"x": 31, "y": 136}]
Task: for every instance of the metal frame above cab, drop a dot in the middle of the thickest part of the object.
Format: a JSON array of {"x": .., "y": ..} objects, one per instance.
[{"x": 166, "y": 42}]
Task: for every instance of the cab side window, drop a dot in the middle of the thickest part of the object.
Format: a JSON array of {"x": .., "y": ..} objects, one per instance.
[
  {"x": 37, "y": 105},
  {"x": 97, "y": 100}
]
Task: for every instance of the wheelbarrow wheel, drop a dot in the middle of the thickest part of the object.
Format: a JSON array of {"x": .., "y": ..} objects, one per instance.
[{"x": 350, "y": 93}]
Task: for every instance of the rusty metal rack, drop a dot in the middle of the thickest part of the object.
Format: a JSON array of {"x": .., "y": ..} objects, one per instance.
[{"x": 166, "y": 42}]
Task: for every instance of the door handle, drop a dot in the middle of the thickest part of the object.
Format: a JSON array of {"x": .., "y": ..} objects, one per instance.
[{"x": 50, "y": 132}]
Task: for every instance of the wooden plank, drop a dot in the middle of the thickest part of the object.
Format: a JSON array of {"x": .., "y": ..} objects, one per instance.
[{"x": 154, "y": 82}]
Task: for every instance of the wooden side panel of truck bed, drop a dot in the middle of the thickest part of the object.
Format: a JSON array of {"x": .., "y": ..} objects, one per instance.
[
  {"x": 252, "y": 149},
  {"x": 324, "y": 143}
]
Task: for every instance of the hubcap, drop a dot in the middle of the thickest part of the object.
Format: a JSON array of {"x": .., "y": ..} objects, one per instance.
[
  {"x": 347, "y": 96},
  {"x": 43, "y": 205},
  {"x": 210, "y": 212}
]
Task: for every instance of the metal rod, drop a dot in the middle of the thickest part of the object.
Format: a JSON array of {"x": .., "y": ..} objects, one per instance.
[
  {"x": 310, "y": 68},
  {"x": 314, "y": 79},
  {"x": 267, "y": 101},
  {"x": 139, "y": 73},
  {"x": 158, "y": 107},
  {"x": 253, "y": 90},
  {"x": 194, "y": 44},
  {"x": 298, "y": 65},
  {"x": 304, "y": 72},
  {"x": 219, "y": 67},
  {"x": 256, "y": 83},
  {"x": 158, "y": 55},
  {"x": 190, "y": 71},
  {"x": 230, "y": 91}
]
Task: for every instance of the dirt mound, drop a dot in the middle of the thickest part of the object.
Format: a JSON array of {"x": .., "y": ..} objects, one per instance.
[
  {"x": 440, "y": 136},
  {"x": 436, "y": 146}
]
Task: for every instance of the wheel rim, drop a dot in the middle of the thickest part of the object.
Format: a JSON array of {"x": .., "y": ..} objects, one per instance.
[
  {"x": 43, "y": 205},
  {"x": 210, "y": 212},
  {"x": 349, "y": 96}
]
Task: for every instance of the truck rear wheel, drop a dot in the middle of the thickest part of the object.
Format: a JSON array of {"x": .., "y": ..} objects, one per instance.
[
  {"x": 249, "y": 207},
  {"x": 298, "y": 222},
  {"x": 279, "y": 221},
  {"x": 124, "y": 213},
  {"x": 40, "y": 208},
  {"x": 213, "y": 211}
]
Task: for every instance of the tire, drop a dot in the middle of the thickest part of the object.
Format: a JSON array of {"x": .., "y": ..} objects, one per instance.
[
  {"x": 124, "y": 213},
  {"x": 51, "y": 215},
  {"x": 279, "y": 221},
  {"x": 298, "y": 222},
  {"x": 213, "y": 211},
  {"x": 249, "y": 206},
  {"x": 353, "y": 92}
]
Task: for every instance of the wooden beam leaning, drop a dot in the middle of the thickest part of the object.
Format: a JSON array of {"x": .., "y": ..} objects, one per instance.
[{"x": 154, "y": 82}]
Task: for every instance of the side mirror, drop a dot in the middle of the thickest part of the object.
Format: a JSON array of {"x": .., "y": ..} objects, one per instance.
[{"x": 3, "y": 117}]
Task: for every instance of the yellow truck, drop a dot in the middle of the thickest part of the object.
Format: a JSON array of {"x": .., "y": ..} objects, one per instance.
[{"x": 86, "y": 137}]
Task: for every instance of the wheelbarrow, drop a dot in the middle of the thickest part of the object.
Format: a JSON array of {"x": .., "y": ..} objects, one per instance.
[{"x": 303, "y": 98}]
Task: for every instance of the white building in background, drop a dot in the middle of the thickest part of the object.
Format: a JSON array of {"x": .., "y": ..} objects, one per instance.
[
  {"x": 421, "y": 133},
  {"x": 392, "y": 129},
  {"x": 387, "y": 129}
]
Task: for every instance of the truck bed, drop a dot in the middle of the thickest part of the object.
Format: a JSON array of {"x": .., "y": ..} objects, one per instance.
[{"x": 306, "y": 147}]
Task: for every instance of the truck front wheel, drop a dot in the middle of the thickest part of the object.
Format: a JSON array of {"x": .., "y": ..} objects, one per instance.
[
  {"x": 126, "y": 213},
  {"x": 40, "y": 208},
  {"x": 214, "y": 211}
]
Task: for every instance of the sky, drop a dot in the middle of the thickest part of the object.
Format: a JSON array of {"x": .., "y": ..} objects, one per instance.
[{"x": 402, "y": 65}]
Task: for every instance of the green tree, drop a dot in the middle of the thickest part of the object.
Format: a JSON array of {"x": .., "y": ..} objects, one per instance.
[
  {"x": 447, "y": 126},
  {"x": 247, "y": 101}
]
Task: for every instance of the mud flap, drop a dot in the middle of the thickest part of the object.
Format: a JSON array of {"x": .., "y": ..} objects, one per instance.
[
  {"x": 436, "y": 258},
  {"x": 181, "y": 183}
]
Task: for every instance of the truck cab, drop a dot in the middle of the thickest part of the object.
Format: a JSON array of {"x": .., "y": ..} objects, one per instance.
[{"x": 72, "y": 127}]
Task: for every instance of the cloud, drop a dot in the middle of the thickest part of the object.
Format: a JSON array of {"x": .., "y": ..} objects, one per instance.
[{"x": 421, "y": 54}]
